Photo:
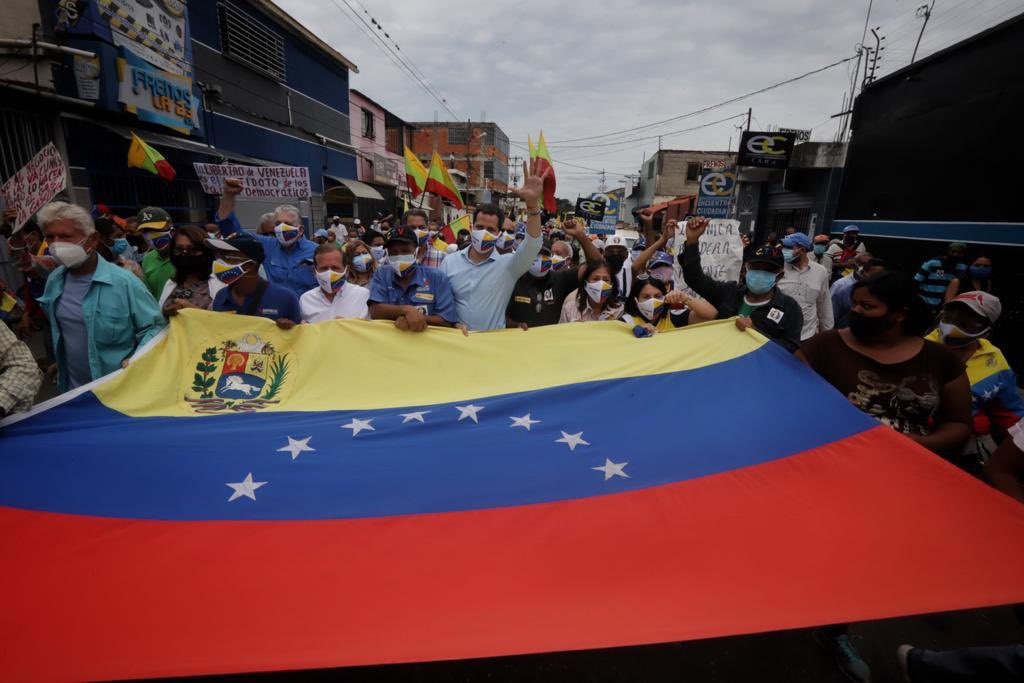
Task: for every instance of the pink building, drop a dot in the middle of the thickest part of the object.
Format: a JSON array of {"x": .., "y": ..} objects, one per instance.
[{"x": 378, "y": 136}]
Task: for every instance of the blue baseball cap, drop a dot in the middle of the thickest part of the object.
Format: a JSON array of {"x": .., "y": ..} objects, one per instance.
[
  {"x": 850, "y": 228},
  {"x": 660, "y": 258},
  {"x": 797, "y": 239},
  {"x": 321, "y": 233}
]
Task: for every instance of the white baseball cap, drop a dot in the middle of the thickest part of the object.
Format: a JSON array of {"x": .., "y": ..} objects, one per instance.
[
  {"x": 616, "y": 241},
  {"x": 984, "y": 304}
]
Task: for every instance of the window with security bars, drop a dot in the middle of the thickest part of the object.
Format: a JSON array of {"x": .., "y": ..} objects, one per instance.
[
  {"x": 495, "y": 170},
  {"x": 248, "y": 41},
  {"x": 368, "y": 130},
  {"x": 458, "y": 136},
  {"x": 692, "y": 171}
]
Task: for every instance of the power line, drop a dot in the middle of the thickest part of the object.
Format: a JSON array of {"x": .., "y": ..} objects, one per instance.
[
  {"x": 713, "y": 106},
  {"x": 651, "y": 137},
  {"x": 390, "y": 53}
]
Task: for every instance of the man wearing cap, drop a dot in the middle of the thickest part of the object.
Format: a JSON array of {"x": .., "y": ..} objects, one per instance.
[
  {"x": 483, "y": 280},
  {"x": 289, "y": 255},
  {"x": 412, "y": 295},
  {"x": 237, "y": 265},
  {"x": 539, "y": 294},
  {"x": 842, "y": 254},
  {"x": 758, "y": 301},
  {"x": 935, "y": 274},
  {"x": 818, "y": 253},
  {"x": 321, "y": 236},
  {"x": 807, "y": 283},
  {"x": 155, "y": 226},
  {"x": 964, "y": 325}
]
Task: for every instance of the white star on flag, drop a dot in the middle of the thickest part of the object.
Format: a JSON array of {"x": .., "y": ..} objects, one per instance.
[
  {"x": 523, "y": 421},
  {"x": 414, "y": 417},
  {"x": 296, "y": 446},
  {"x": 357, "y": 425},
  {"x": 573, "y": 440},
  {"x": 468, "y": 411},
  {"x": 612, "y": 469},
  {"x": 247, "y": 487}
]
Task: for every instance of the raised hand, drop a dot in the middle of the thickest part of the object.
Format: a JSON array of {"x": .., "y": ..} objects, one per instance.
[
  {"x": 695, "y": 227},
  {"x": 575, "y": 229},
  {"x": 232, "y": 186},
  {"x": 646, "y": 217},
  {"x": 532, "y": 188}
]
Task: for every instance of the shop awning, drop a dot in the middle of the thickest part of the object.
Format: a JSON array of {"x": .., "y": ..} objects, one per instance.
[
  {"x": 360, "y": 190},
  {"x": 173, "y": 142}
]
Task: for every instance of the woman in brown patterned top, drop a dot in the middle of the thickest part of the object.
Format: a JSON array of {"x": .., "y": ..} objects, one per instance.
[{"x": 884, "y": 366}]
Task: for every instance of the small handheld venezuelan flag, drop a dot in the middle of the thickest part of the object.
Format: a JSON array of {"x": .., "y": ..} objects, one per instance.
[{"x": 141, "y": 155}]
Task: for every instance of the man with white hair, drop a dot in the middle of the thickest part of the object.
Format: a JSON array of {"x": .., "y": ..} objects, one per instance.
[
  {"x": 267, "y": 223},
  {"x": 99, "y": 313},
  {"x": 289, "y": 255}
]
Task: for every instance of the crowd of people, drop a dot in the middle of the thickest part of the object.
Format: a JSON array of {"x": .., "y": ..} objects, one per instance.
[{"x": 916, "y": 352}]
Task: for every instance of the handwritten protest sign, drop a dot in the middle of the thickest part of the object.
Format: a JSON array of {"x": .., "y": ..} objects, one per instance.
[
  {"x": 721, "y": 251},
  {"x": 35, "y": 185},
  {"x": 257, "y": 181}
]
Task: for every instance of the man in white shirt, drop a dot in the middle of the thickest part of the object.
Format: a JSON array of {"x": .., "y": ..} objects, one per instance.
[
  {"x": 333, "y": 297},
  {"x": 807, "y": 283}
]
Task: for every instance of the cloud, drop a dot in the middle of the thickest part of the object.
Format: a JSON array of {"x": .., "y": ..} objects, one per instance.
[{"x": 586, "y": 68}]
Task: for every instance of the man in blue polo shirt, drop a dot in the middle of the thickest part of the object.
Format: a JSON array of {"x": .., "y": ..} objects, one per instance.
[
  {"x": 289, "y": 255},
  {"x": 411, "y": 294},
  {"x": 237, "y": 265},
  {"x": 482, "y": 279}
]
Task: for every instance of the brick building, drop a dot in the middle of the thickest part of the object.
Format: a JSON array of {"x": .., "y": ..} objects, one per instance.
[{"x": 476, "y": 153}]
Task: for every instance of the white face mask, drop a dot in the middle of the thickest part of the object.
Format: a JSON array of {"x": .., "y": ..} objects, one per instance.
[
  {"x": 287, "y": 234},
  {"x": 362, "y": 262},
  {"x": 380, "y": 254},
  {"x": 331, "y": 280},
  {"x": 598, "y": 291},
  {"x": 69, "y": 254},
  {"x": 540, "y": 266},
  {"x": 402, "y": 264},
  {"x": 483, "y": 241},
  {"x": 650, "y": 308}
]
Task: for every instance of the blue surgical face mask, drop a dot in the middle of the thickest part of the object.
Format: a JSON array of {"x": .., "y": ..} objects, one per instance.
[
  {"x": 379, "y": 254},
  {"x": 819, "y": 249},
  {"x": 788, "y": 255},
  {"x": 119, "y": 246},
  {"x": 981, "y": 272},
  {"x": 760, "y": 281}
]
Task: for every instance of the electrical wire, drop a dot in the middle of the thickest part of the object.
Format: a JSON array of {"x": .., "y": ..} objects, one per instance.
[{"x": 710, "y": 107}]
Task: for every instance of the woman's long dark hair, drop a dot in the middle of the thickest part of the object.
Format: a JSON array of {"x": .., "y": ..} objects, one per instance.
[
  {"x": 899, "y": 292},
  {"x": 197, "y": 236},
  {"x": 639, "y": 283},
  {"x": 582, "y": 300}
]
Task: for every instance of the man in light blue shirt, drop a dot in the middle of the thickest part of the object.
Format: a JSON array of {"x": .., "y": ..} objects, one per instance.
[
  {"x": 289, "y": 255},
  {"x": 99, "y": 313},
  {"x": 482, "y": 279}
]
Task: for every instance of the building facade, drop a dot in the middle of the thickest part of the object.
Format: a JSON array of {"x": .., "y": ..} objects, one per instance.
[
  {"x": 477, "y": 154},
  {"x": 236, "y": 81},
  {"x": 672, "y": 173},
  {"x": 379, "y": 137}
]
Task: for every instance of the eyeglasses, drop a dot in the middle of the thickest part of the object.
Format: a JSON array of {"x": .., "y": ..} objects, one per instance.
[{"x": 183, "y": 251}]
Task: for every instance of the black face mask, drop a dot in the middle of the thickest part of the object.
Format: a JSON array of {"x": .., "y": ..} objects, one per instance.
[
  {"x": 866, "y": 329},
  {"x": 190, "y": 263},
  {"x": 615, "y": 261}
]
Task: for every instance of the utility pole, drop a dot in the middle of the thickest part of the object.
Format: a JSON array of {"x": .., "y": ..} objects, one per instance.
[
  {"x": 750, "y": 114},
  {"x": 659, "y": 143},
  {"x": 926, "y": 12},
  {"x": 602, "y": 187},
  {"x": 877, "y": 53}
]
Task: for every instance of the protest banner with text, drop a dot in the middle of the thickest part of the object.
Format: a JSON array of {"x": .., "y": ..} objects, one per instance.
[
  {"x": 257, "y": 181},
  {"x": 35, "y": 185},
  {"x": 721, "y": 252}
]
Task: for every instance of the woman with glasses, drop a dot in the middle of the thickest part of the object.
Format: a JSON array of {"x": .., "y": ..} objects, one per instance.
[
  {"x": 192, "y": 260},
  {"x": 652, "y": 308}
]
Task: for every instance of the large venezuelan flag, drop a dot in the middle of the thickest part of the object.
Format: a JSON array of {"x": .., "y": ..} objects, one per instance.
[{"x": 236, "y": 502}]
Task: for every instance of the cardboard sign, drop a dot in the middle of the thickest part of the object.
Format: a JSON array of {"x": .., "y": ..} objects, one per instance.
[
  {"x": 257, "y": 181},
  {"x": 590, "y": 209},
  {"x": 36, "y": 184},
  {"x": 721, "y": 251}
]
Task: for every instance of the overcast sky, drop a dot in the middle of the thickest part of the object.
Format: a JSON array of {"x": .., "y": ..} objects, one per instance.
[{"x": 576, "y": 71}]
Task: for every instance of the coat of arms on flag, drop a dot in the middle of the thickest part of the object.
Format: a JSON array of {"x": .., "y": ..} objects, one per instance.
[{"x": 240, "y": 375}]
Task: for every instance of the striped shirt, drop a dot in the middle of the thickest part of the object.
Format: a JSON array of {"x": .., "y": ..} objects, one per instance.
[{"x": 933, "y": 280}]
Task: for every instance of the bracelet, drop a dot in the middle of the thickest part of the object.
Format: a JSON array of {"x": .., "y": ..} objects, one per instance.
[{"x": 534, "y": 213}]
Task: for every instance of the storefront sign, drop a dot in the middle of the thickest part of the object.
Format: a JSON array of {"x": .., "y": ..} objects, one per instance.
[
  {"x": 765, "y": 150},
  {"x": 36, "y": 184},
  {"x": 714, "y": 194},
  {"x": 257, "y": 181},
  {"x": 157, "y": 96},
  {"x": 799, "y": 134},
  {"x": 87, "y": 77},
  {"x": 386, "y": 171},
  {"x": 612, "y": 201},
  {"x": 159, "y": 26}
]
